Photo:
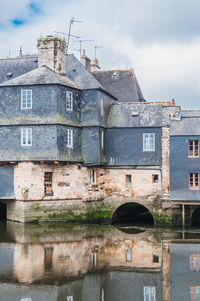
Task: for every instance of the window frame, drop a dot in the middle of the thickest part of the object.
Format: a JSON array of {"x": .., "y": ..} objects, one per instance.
[
  {"x": 192, "y": 176},
  {"x": 102, "y": 139},
  {"x": 27, "y": 131},
  {"x": 193, "y": 150},
  {"x": 69, "y": 101},
  {"x": 129, "y": 254},
  {"x": 195, "y": 296},
  {"x": 154, "y": 176},
  {"x": 102, "y": 107},
  {"x": 69, "y": 138},
  {"x": 149, "y": 293},
  {"x": 50, "y": 183},
  {"x": 26, "y": 107},
  {"x": 126, "y": 177},
  {"x": 94, "y": 177},
  {"x": 146, "y": 145},
  {"x": 194, "y": 263}
]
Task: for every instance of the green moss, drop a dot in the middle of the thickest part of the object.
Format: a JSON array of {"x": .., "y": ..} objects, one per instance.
[
  {"x": 92, "y": 215},
  {"x": 164, "y": 219},
  {"x": 36, "y": 206}
]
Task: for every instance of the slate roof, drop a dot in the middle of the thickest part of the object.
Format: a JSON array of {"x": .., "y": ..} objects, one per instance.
[
  {"x": 122, "y": 84},
  {"x": 185, "y": 127},
  {"x": 17, "y": 66},
  {"x": 190, "y": 113},
  {"x": 80, "y": 76},
  {"x": 135, "y": 115},
  {"x": 42, "y": 75}
]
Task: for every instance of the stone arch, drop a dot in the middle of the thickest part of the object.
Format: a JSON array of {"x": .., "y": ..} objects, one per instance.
[
  {"x": 132, "y": 213},
  {"x": 195, "y": 219},
  {"x": 3, "y": 211}
]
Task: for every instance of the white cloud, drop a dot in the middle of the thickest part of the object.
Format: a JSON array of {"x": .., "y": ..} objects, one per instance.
[{"x": 157, "y": 40}]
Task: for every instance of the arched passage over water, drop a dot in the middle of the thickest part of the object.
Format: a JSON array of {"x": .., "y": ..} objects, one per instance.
[
  {"x": 3, "y": 211},
  {"x": 196, "y": 217},
  {"x": 132, "y": 213}
]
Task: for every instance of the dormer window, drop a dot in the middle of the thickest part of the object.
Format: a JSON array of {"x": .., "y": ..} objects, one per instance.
[
  {"x": 69, "y": 101},
  {"x": 26, "y": 99}
]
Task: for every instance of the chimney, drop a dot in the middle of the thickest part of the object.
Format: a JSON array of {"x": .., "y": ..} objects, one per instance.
[
  {"x": 51, "y": 53},
  {"x": 95, "y": 65},
  {"x": 85, "y": 61}
]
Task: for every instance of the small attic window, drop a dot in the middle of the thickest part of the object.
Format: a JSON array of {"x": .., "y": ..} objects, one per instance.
[
  {"x": 115, "y": 74},
  {"x": 134, "y": 113},
  {"x": 9, "y": 74}
]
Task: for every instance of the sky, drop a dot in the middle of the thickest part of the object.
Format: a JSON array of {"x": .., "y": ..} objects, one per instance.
[{"x": 159, "y": 39}]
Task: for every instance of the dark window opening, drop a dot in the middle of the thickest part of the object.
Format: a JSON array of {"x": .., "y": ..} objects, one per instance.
[
  {"x": 196, "y": 218},
  {"x": 48, "y": 185},
  {"x": 154, "y": 178},
  {"x": 3, "y": 211},
  {"x": 132, "y": 213},
  {"x": 128, "y": 179},
  {"x": 48, "y": 258},
  {"x": 155, "y": 258}
]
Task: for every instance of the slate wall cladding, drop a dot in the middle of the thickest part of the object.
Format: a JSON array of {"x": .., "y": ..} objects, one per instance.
[
  {"x": 125, "y": 147},
  {"x": 44, "y": 143},
  {"x": 180, "y": 275},
  {"x": 91, "y": 107},
  {"x": 66, "y": 153},
  {"x": 180, "y": 167},
  {"x": 6, "y": 181},
  {"x": 90, "y": 145},
  {"x": 65, "y": 116},
  {"x": 44, "y": 105}
]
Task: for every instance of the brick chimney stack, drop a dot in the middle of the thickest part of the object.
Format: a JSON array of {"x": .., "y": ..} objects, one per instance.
[
  {"x": 94, "y": 66},
  {"x": 85, "y": 61},
  {"x": 51, "y": 53}
]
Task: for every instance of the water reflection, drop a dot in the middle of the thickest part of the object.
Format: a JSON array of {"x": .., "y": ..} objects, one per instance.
[{"x": 95, "y": 263}]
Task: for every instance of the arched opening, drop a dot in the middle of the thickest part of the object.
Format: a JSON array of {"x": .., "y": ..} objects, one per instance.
[
  {"x": 132, "y": 213},
  {"x": 196, "y": 217},
  {"x": 3, "y": 211}
]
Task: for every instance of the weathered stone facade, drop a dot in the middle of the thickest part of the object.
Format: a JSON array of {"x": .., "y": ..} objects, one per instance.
[{"x": 92, "y": 135}]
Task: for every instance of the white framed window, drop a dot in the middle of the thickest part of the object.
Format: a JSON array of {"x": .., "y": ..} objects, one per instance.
[
  {"x": 26, "y": 137},
  {"x": 69, "y": 298},
  {"x": 102, "y": 139},
  {"x": 70, "y": 138},
  {"x": 26, "y": 99},
  {"x": 149, "y": 293},
  {"x": 102, "y": 105},
  {"x": 149, "y": 142},
  {"x": 94, "y": 177},
  {"x": 129, "y": 255},
  {"x": 69, "y": 101}
]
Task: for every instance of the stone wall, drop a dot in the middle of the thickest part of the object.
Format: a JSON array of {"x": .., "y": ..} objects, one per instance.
[
  {"x": 51, "y": 53},
  {"x": 75, "y": 198}
]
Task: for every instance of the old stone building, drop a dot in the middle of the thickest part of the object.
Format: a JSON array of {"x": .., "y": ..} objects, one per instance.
[{"x": 80, "y": 143}]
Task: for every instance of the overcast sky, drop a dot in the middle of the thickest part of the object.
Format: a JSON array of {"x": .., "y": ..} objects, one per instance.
[{"x": 160, "y": 39}]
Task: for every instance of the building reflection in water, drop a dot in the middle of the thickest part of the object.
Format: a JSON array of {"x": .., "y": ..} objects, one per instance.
[{"x": 91, "y": 263}]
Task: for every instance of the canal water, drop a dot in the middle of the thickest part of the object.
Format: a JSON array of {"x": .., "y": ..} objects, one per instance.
[{"x": 61, "y": 262}]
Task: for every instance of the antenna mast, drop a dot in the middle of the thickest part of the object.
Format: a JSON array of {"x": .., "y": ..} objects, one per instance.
[
  {"x": 95, "y": 50},
  {"x": 80, "y": 48},
  {"x": 72, "y": 21}
]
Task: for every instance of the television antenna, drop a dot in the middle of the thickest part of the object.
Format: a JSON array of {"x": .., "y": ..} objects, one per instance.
[
  {"x": 95, "y": 50},
  {"x": 72, "y": 21},
  {"x": 80, "y": 47}
]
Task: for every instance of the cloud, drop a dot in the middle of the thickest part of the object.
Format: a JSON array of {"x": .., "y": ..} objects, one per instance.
[{"x": 159, "y": 39}]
